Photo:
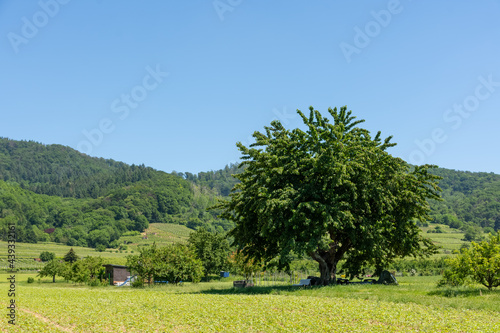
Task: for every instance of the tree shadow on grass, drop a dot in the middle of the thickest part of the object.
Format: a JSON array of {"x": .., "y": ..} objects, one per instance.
[
  {"x": 258, "y": 290},
  {"x": 463, "y": 292}
]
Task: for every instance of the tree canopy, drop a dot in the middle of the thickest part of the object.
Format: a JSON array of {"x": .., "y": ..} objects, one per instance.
[
  {"x": 331, "y": 192},
  {"x": 211, "y": 248},
  {"x": 174, "y": 263},
  {"x": 47, "y": 256},
  {"x": 52, "y": 268}
]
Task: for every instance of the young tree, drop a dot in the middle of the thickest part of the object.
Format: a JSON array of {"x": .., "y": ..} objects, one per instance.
[
  {"x": 77, "y": 272},
  {"x": 244, "y": 266},
  {"x": 331, "y": 192},
  {"x": 71, "y": 256},
  {"x": 480, "y": 262},
  {"x": 143, "y": 264},
  {"x": 94, "y": 267},
  {"x": 52, "y": 268},
  {"x": 177, "y": 262},
  {"x": 212, "y": 249}
]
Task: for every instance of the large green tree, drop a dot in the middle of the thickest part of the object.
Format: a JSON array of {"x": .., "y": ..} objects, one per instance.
[{"x": 331, "y": 192}]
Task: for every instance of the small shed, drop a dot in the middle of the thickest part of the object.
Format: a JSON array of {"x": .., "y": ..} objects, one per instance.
[{"x": 117, "y": 274}]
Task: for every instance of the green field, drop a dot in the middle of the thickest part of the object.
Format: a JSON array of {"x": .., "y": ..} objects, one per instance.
[
  {"x": 159, "y": 233},
  {"x": 449, "y": 240},
  {"x": 414, "y": 305}
]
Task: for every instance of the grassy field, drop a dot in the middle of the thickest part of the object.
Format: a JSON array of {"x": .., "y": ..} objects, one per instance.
[
  {"x": 415, "y": 305},
  {"x": 449, "y": 240},
  {"x": 159, "y": 233}
]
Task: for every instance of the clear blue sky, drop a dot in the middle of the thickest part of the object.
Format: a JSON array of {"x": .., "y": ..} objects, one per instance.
[{"x": 175, "y": 84}]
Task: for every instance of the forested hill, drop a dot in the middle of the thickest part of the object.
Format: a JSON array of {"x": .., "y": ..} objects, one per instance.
[
  {"x": 62, "y": 171},
  {"x": 470, "y": 199},
  {"x": 91, "y": 201}
]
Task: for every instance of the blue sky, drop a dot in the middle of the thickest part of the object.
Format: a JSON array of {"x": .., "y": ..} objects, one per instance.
[{"x": 175, "y": 84}]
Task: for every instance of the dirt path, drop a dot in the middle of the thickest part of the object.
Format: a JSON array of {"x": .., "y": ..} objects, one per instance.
[{"x": 47, "y": 320}]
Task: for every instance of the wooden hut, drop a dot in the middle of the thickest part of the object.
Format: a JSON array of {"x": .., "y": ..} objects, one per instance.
[{"x": 117, "y": 274}]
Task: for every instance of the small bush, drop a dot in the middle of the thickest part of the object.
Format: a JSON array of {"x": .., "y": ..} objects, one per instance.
[
  {"x": 100, "y": 248},
  {"x": 98, "y": 283},
  {"x": 131, "y": 233},
  {"x": 31, "y": 280},
  {"x": 47, "y": 256},
  {"x": 137, "y": 284},
  {"x": 114, "y": 244}
]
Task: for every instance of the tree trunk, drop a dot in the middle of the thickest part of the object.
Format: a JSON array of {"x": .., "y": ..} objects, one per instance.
[
  {"x": 327, "y": 267},
  {"x": 328, "y": 259},
  {"x": 53, "y": 279}
]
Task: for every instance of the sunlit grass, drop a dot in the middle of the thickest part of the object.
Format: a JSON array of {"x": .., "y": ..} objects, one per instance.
[{"x": 414, "y": 305}]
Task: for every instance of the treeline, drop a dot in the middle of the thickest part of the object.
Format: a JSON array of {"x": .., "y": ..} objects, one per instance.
[
  {"x": 92, "y": 201},
  {"x": 221, "y": 181}
]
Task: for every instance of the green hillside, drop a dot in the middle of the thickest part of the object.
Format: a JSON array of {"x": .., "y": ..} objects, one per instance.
[
  {"x": 470, "y": 199},
  {"x": 91, "y": 202}
]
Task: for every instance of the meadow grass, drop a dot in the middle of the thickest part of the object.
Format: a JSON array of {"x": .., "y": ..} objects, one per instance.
[{"x": 415, "y": 305}]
